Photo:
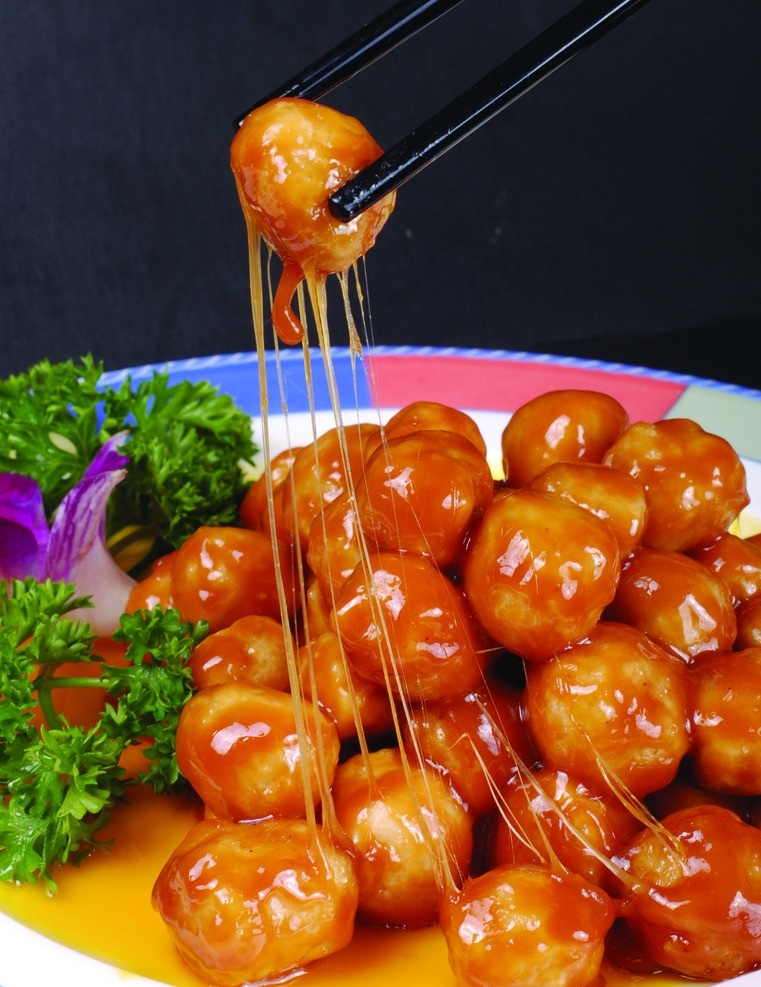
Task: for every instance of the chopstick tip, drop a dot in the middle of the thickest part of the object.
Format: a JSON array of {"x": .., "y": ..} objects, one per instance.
[{"x": 343, "y": 207}]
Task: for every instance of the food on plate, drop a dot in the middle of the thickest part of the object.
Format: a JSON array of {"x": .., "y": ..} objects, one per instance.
[
  {"x": 288, "y": 156},
  {"x": 449, "y": 774},
  {"x": 544, "y": 762},
  {"x": 694, "y": 481},
  {"x": 256, "y": 902},
  {"x": 691, "y": 892},
  {"x": 611, "y": 709},
  {"x": 563, "y": 426},
  {"x": 409, "y": 831},
  {"x": 538, "y": 572},
  {"x": 679, "y": 604},
  {"x": 527, "y": 924},
  {"x": 478, "y": 700}
]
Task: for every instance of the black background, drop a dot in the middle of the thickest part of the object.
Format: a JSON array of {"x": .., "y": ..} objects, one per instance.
[{"x": 613, "y": 212}]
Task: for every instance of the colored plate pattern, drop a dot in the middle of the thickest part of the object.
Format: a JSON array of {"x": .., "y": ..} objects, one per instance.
[
  {"x": 490, "y": 385},
  {"x": 479, "y": 380}
]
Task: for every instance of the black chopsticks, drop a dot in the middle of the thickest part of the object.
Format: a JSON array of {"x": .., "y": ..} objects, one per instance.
[
  {"x": 568, "y": 36},
  {"x": 571, "y": 34},
  {"x": 367, "y": 45}
]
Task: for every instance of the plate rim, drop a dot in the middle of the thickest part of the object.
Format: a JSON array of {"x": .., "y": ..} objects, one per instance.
[{"x": 243, "y": 357}]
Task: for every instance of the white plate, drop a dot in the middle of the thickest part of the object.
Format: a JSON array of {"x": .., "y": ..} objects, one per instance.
[{"x": 488, "y": 384}]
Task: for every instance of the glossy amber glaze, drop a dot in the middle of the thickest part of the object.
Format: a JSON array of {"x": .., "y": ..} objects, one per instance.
[
  {"x": 530, "y": 591},
  {"x": 103, "y": 908},
  {"x": 288, "y": 157},
  {"x": 271, "y": 898}
]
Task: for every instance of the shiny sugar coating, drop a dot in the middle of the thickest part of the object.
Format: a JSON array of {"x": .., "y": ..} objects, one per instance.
[
  {"x": 612, "y": 495},
  {"x": 288, "y": 156},
  {"x": 222, "y": 573},
  {"x": 726, "y": 720},
  {"x": 321, "y": 473},
  {"x": 351, "y": 702},
  {"x": 680, "y": 604},
  {"x": 539, "y": 572},
  {"x": 564, "y": 426},
  {"x": 248, "y": 903},
  {"x": 522, "y": 925},
  {"x": 252, "y": 649},
  {"x": 694, "y": 480},
  {"x": 421, "y": 493},
  {"x": 403, "y": 823},
  {"x": 612, "y": 704},
  {"x": 478, "y": 739},
  {"x": 737, "y": 561},
  {"x": 692, "y": 892},
  {"x": 408, "y": 625},
  {"x": 550, "y": 812},
  {"x": 241, "y": 749}
]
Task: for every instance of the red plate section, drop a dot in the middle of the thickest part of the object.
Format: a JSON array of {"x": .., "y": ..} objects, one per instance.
[{"x": 505, "y": 383}]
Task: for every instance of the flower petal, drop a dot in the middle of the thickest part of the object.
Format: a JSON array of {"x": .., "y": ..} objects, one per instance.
[
  {"x": 23, "y": 527},
  {"x": 108, "y": 457},
  {"x": 76, "y": 551}
]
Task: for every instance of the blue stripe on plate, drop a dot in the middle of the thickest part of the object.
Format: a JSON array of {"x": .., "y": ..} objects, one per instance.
[{"x": 237, "y": 374}]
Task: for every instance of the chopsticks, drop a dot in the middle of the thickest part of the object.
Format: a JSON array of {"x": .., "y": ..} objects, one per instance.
[
  {"x": 367, "y": 45},
  {"x": 571, "y": 34}
]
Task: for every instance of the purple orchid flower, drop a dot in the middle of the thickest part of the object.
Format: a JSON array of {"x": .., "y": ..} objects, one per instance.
[
  {"x": 23, "y": 526},
  {"x": 73, "y": 549}
]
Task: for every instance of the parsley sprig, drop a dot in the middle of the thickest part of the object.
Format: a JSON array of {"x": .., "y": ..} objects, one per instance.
[
  {"x": 58, "y": 782},
  {"x": 190, "y": 447}
]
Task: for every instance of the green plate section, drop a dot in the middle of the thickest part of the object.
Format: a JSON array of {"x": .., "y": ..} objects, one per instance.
[{"x": 734, "y": 415}]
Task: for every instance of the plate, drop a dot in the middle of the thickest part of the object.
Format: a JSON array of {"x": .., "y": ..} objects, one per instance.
[{"x": 488, "y": 384}]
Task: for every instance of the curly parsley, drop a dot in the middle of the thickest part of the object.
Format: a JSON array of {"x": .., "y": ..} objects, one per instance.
[
  {"x": 190, "y": 447},
  {"x": 58, "y": 782}
]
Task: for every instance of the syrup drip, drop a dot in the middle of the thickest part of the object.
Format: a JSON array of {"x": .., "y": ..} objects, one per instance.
[{"x": 287, "y": 324}]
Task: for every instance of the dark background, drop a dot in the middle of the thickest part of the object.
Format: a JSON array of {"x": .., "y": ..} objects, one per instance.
[{"x": 613, "y": 212}]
